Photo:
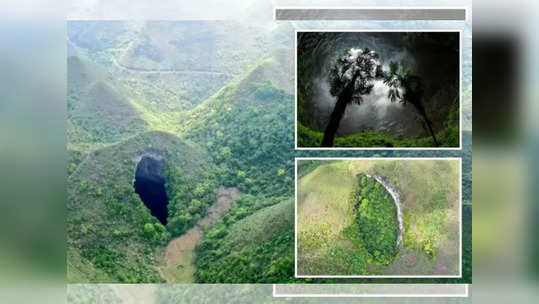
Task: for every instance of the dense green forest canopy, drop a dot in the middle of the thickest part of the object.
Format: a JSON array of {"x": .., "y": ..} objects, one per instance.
[{"x": 376, "y": 220}]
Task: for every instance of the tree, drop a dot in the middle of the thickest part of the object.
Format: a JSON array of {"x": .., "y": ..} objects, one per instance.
[
  {"x": 351, "y": 77},
  {"x": 405, "y": 87},
  {"x": 149, "y": 231}
]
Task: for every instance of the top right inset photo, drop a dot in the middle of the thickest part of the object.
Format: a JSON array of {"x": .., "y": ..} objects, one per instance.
[{"x": 378, "y": 89}]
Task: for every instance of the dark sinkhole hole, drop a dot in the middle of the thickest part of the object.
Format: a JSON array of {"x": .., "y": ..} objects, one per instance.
[{"x": 150, "y": 186}]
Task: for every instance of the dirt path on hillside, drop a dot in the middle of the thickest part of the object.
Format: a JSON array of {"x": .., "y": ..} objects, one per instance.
[
  {"x": 179, "y": 255},
  {"x": 166, "y": 71},
  {"x": 158, "y": 71}
]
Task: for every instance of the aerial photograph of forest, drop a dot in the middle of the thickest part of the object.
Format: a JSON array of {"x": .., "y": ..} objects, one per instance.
[
  {"x": 368, "y": 217},
  {"x": 181, "y": 157},
  {"x": 378, "y": 89}
]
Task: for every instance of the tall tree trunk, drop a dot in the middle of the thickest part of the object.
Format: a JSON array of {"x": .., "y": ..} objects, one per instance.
[
  {"x": 427, "y": 121},
  {"x": 334, "y": 121},
  {"x": 423, "y": 114},
  {"x": 338, "y": 113}
]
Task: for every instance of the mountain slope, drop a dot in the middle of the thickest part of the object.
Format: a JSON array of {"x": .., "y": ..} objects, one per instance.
[
  {"x": 106, "y": 227},
  {"x": 97, "y": 112},
  {"x": 248, "y": 128},
  {"x": 257, "y": 248}
]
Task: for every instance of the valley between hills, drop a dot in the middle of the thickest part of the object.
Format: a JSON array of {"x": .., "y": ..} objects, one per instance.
[{"x": 210, "y": 106}]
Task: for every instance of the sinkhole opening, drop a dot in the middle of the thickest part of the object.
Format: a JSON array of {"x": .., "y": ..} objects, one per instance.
[{"x": 150, "y": 186}]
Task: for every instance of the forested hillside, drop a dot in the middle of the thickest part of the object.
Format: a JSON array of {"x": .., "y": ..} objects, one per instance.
[
  {"x": 140, "y": 89},
  {"x": 248, "y": 129},
  {"x": 111, "y": 235}
]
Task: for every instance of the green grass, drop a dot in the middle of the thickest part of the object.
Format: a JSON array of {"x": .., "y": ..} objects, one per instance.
[
  {"x": 331, "y": 242},
  {"x": 97, "y": 111},
  {"x": 310, "y": 138},
  {"x": 257, "y": 248},
  {"x": 324, "y": 213}
]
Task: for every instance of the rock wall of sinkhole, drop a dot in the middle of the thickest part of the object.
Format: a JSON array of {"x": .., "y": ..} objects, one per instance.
[
  {"x": 150, "y": 185},
  {"x": 392, "y": 190}
]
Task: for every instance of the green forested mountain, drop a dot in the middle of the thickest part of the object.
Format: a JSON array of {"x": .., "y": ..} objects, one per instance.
[
  {"x": 143, "y": 88},
  {"x": 97, "y": 111},
  {"x": 248, "y": 129},
  {"x": 107, "y": 240}
]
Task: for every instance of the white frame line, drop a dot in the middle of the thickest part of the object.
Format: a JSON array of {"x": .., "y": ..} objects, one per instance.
[
  {"x": 347, "y": 295},
  {"x": 373, "y": 276},
  {"x": 460, "y": 31}
]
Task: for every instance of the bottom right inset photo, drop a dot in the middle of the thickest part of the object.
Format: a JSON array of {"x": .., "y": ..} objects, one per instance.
[{"x": 378, "y": 217}]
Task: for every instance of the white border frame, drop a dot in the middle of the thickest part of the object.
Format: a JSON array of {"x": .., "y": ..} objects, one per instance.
[
  {"x": 372, "y": 295},
  {"x": 404, "y": 8},
  {"x": 373, "y": 276},
  {"x": 377, "y": 31}
]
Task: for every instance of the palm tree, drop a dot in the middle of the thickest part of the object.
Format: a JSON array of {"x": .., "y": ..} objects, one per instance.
[
  {"x": 351, "y": 77},
  {"x": 405, "y": 87}
]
